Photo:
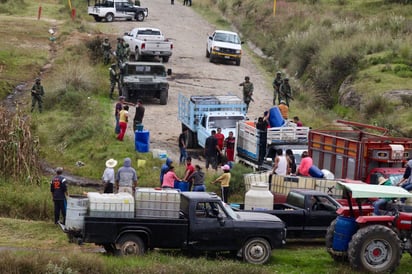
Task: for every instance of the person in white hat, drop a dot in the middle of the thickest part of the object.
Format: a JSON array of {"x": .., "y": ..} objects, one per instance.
[
  {"x": 224, "y": 181},
  {"x": 381, "y": 202},
  {"x": 108, "y": 176}
]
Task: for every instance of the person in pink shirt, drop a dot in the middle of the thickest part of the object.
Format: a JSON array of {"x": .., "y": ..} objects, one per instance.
[
  {"x": 169, "y": 178},
  {"x": 305, "y": 164}
]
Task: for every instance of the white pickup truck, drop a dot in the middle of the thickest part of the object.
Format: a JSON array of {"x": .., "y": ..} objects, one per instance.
[
  {"x": 111, "y": 9},
  {"x": 149, "y": 42},
  {"x": 224, "y": 45}
]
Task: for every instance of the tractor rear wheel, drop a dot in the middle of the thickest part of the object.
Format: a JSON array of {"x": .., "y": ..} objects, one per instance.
[{"x": 375, "y": 248}]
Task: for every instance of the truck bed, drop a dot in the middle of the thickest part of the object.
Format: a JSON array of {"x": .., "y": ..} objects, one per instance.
[{"x": 170, "y": 233}]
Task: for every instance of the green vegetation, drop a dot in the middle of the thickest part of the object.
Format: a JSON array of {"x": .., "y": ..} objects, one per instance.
[
  {"x": 324, "y": 43},
  {"x": 320, "y": 43}
]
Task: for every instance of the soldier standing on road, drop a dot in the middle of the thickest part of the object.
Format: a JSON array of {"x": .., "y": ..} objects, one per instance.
[
  {"x": 106, "y": 47},
  {"x": 247, "y": 91},
  {"x": 114, "y": 78},
  {"x": 277, "y": 82},
  {"x": 37, "y": 93},
  {"x": 285, "y": 91}
]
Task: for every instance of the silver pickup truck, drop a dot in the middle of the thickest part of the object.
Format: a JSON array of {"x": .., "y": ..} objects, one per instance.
[{"x": 148, "y": 42}]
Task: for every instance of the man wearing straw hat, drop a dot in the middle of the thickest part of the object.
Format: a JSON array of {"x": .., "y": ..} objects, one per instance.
[
  {"x": 382, "y": 201},
  {"x": 108, "y": 176}
]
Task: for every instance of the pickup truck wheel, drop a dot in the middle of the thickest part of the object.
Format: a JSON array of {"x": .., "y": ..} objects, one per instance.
[
  {"x": 256, "y": 251},
  {"x": 207, "y": 53},
  {"x": 211, "y": 59},
  {"x": 131, "y": 245},
  {"x": 375, "y": 248},
  {"x": 163, "y": 97},
  {"x": 238, "y": 62},
  {"x": 109, "y": 17},
  {"x": 330, "y": 232},
  {"x": 165, "y": 59},
  {"x": 139, "y": 16},
  {"x": 97, "y": 18}
]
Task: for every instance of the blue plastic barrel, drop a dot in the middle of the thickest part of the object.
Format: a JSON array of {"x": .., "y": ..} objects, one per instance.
[
  {"x": 344, "y": 229},
  {"x": 142, "y": 136},
  {"x": 275, "y": 117},
  {"x": 315, "y": 172},
  {"x": 142, "y": 141},
  {"x": 181, "y": 185}
]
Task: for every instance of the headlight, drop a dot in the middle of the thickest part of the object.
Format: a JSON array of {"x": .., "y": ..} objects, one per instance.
[
  {"x": 216, "y": 49},
  {"x": 238, "y": 51}
]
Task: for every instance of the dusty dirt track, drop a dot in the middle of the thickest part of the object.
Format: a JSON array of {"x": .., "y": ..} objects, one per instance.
[{"x": 193, "y": 74}]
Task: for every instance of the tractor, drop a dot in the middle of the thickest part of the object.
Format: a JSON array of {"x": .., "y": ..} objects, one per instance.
[{"x": 371, "y": 243}]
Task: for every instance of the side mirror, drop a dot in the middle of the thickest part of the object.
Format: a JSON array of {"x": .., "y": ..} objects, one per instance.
[{"x": 169, "y": 71}]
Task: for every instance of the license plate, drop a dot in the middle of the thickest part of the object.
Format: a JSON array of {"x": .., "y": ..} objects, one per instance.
[
  {"x": 227, "y": 57},
  {"x": 157, "y": 52}
]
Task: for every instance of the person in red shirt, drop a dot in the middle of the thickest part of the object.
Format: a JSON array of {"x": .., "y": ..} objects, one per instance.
[
  {"x": 190, "y": 169},
  {"x": 230, "y": 147},
  {"x": 305, "y": 164},
  {"x": 220, "y": 142}
]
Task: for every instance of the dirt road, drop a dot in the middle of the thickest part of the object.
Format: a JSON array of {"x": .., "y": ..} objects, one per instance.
[{"x": 193, "y": 74}]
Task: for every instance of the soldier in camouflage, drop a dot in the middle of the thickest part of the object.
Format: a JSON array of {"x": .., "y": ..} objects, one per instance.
[
  {"x": 114, "y": 78},
  {"x": 37, "y": 93},
  {"x": 277, "y": 82},
  {"x": 285, "y": 92},
  {"x": 247, "y": 91},
  {"x": 106, "y": 47},
  {"x": 120, "y": 51}
]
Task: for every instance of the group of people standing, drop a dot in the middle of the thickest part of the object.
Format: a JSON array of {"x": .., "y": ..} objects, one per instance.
[
  {"x": 194, "y": 177},
  {"x": 218, "y": 149},
  {"x": 121, "y": 114}
]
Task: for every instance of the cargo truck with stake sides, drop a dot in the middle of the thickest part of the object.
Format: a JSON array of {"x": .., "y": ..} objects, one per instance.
[
  {"x": 197, "y": 221},
  {"x": 349, "y": 151},
  {"x": 204, "y": 113}
]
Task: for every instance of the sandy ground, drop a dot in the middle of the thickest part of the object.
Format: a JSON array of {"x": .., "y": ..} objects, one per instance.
[{"x": 193, "y": 74}]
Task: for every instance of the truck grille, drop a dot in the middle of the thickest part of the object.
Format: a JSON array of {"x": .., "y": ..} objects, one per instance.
[{"x": 226, "y": 50}]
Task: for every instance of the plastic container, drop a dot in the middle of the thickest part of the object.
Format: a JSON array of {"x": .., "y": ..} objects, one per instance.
[
  {"x": 142, "y": 141},
  {"x": 139, "y": 127},
  {"x": 152, "y": 202},
  {"x": 181, "y": 185},
  {"x": 315, "y": 172},
  {"x": 328, "y": 174},
  {"x": 142, "y": 136},
  {"x": 76, "y": 210},
  {"x": 344, "y": 229},
  {"x": 119, "y": 205},
  {"x": 275, "y": 117},
  {"x": 259, "y": 197}
]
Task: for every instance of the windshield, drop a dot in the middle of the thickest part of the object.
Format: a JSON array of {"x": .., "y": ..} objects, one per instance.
[
  {"x": 224, "y": 121},
  {"x": 230, "y": 212},
  {"x": 145, "y": 70},
  {"x": 227, "y": 37}
]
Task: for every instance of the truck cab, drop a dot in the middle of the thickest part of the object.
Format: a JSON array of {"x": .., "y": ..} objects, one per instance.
[{"x": 219, "y": 119}]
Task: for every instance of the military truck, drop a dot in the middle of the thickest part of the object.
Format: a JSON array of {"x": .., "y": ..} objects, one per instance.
[{"x": 144, "y": 79}]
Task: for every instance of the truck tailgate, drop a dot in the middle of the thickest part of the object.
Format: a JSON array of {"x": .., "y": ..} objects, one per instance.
[{"x": 164, "y": 233}]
